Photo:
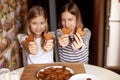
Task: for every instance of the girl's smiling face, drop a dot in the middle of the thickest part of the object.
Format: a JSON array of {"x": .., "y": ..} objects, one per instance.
[
  {"x": 68, "y": 20},
  {"x": 38, "y": 25}
]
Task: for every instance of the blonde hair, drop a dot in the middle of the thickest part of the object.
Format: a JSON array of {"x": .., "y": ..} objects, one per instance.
[{"x": 33, "y": 13}]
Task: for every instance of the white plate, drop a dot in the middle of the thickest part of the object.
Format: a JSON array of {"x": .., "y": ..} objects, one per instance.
[
  {"x": 56, "y": 67},
  {"x": 82, "y": 77}
]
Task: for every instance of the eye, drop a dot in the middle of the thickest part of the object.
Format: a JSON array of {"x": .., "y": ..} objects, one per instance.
[
  {"x": 42, "y": 23},
  {"x": 34, "y": 23}
]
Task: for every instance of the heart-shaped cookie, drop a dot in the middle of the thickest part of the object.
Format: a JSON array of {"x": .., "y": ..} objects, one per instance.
[
  {"x": 66, "y": 30},
  {"x": 81, "y": 33},
  {"x": 30, "y": 38},
  {"x": 48, "y": 36}
]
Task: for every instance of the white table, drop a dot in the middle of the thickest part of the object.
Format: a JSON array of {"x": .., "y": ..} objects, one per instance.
[{"x": 99, "y": 72}]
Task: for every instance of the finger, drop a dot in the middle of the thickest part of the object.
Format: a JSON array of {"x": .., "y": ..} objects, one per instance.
[
  {"x": 77, "y": 40},
  {"x": 64, "y": 36},
  {"x": 49, "y": 45},
  {"x": 73, "y": 46},
  {"x": 31, "y": 43},
  {"x": 63, "y": 41},
  {"x": 49, "y": 41},
  {"x": 33, "y": 46},
  {"x": 33, "y": 49},
  {"x": 49, "y": 48},
  {"x": 76, "y": 46},
  {"x": 46, "y": 49},
  {"x": 80, "y": 38},
  {"x": 33, "y": 52}
]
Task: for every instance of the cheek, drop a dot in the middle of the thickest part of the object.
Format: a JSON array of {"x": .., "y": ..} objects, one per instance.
[
  {"x": 63, "y": 23},
  {"x": 43, "y": 29},
  {"x": 73, "y": 23},
  {"x": 32, "y": 27}
]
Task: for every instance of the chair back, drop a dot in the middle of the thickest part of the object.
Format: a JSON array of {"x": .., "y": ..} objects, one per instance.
[{"x": 24, "y": 55}]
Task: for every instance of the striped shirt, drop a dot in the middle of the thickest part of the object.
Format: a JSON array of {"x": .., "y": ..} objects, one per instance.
[{"x": 67, "y": 54}]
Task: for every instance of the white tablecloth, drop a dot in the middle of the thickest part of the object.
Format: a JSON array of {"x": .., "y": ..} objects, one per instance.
[{"x": 99, "y": 72}]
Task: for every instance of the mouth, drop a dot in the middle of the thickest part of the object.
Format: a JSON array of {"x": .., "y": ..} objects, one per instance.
[{"x": 38, "y": 31}]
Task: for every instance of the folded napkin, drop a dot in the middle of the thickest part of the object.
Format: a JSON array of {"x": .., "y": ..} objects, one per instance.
[{"x": 5, "y": 74}]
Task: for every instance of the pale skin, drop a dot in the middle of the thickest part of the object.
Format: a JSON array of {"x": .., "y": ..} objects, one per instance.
[
  {"x": 37, "y": 26},
  {"x": 69, "y": 20}
]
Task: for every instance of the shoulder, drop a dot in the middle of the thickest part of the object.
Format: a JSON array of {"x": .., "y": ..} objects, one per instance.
[
  {"x": 21, "y": 37},
  {"x": 58, "y": 32},
  {"x": 87, "y": 31}
]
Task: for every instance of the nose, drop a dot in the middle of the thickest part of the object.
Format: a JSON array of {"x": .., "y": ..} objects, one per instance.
[
  {"x": 38, "y": 26},
  {"x": 67, "y": 23}
]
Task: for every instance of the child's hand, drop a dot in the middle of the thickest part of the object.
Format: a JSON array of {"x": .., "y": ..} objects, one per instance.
[
  {"x": 33, "y": 47},
  {"x": 78, "y": 42},
  {"x": 64, "y": 40},
  {"x": 48, "y": 45}
]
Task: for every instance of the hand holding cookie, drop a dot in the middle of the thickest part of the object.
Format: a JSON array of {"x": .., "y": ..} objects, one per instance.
[
  {"x": 64, "y": 40},
  {"x": 33, "y": 47},
  {"x": 78, "y": 42},
  {"x": 48, "y": 45},
  {"x": 49, "y": 41}
]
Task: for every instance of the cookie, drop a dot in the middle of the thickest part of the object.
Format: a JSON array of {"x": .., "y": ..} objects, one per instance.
[
  {"x": 48, "y": 36},
  {"x": 81, "y": 33},
  {"x": 66, "y": 30},
  {"x": 30, "y": 38}
]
